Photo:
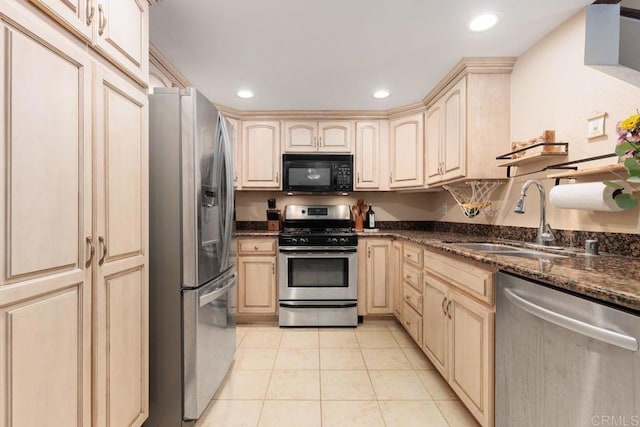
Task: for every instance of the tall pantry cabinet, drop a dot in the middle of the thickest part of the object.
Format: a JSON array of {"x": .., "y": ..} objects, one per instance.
[{"x": 74, "y": 214}]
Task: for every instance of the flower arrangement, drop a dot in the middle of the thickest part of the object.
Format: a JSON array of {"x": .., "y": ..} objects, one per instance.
[{"x": 628, "y": 149}]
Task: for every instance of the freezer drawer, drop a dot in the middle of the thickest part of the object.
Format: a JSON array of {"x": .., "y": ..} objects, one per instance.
[{"x": 209, "y": 340}]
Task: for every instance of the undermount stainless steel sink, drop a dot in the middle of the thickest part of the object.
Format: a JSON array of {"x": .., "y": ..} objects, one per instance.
[
  {"x": 487, "y": 247},
  {"x": 507, "y": 250}
]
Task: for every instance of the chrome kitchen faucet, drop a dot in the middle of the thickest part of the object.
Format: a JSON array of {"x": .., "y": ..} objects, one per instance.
[{"x": 545, "y": 235}]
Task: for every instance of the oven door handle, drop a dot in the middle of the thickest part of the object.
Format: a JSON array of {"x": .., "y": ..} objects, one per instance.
[
  {"x": 307, "y": 249},
  {"x": 332, "y": 305}
]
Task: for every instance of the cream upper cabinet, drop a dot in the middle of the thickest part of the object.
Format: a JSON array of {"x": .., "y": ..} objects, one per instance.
[
  {"x": 45, "y": 281},
  {"x": 260, "y": 153},
  {"x": 446, "y": 136},
  {"x": 406, "y": 138},
  {"x": 121, "y": 292},
  {"x": 76, "y": 15},
  {"x": 379, "y": 276},
  {"x": 118, "y": 29},
  {"x": 310, "y": 136},
  {"x": 121, "y": 32},
  {"x": 466, "y": 127},
  {"x": 367, "y": 157}
]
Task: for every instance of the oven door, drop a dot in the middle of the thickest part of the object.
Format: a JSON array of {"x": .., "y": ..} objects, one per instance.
[{"x": 318, "y": 274}]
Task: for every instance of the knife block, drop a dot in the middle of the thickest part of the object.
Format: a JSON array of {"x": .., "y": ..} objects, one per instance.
[{"x": 273, "y": 219}]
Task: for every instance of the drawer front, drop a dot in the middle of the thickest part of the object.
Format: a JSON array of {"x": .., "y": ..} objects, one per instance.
[
  {"x": 413, "y": 298},
  {"x": 256, "y": 246},
  {"x": 413, "y": 324},
  {"x": 412, "y": 276},
  {"x": 413, "y": 254},
  {"x": 471, "y": 277}
]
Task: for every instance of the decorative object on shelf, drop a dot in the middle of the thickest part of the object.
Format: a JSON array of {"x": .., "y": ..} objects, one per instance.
[
  {"x": 596, "y": 125},
  {"x": 473, "y": 196},
  {"x": 628, "y": 150},
  {"x": 543, "y": 148}
]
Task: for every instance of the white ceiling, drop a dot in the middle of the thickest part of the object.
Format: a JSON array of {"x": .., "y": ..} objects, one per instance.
[{"x": 332, "y": 54}]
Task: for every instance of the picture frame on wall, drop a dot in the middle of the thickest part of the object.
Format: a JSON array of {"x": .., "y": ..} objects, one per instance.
[{"x": 595, "y": 127}]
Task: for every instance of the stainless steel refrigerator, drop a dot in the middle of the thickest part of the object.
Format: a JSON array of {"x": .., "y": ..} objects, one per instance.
[{"x": 191, "y": 269}]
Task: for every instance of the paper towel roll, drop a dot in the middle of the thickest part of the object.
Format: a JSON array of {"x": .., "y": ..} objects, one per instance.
[{"x": 592, "y": 196}]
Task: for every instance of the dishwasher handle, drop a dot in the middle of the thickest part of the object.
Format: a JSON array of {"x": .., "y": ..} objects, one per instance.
[{"x": 610, "y": 337}]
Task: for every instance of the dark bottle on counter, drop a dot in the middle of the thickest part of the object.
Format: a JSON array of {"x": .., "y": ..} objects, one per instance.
[{"x": 370, "y": 219}]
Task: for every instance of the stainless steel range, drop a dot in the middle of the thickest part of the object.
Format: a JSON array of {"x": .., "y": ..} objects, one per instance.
[{"x": 318, "y": 267}]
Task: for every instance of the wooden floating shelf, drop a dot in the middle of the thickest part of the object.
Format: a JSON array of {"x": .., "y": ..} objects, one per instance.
[
  {"x": 588, "y": 172},
  {"x": 529, "y": 159}
]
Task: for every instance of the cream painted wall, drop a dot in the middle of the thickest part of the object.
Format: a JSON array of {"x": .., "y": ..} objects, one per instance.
[
  {"x": 251, "y": 205},
  {"x": 552, "y": 89}
]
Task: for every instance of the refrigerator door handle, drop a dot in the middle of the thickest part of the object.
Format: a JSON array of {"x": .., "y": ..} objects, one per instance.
[
  {"x": 228, "y": 214},
  {"x": 215, "y": 294}
]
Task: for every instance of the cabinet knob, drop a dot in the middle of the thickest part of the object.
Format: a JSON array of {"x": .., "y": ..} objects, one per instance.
[
  {"x": 255, "y": 248},
  {"x": 102, "y": 20},
  {"x": 277, "y": 177},
  {"x": 102, "y": 241},
  {"x": 407, "y": 297},
  {"x": 92, "y": 251},
  {"x": 449, "y": 309},
  {"x": 444, "y": 301}
]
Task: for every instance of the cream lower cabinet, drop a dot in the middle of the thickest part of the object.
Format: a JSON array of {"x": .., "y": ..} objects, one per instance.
[
  {"x": 458, "y": 332},
  {"x": 257, "y": 276},
  {"x": 73, "y": 287},
  {"x": 379, "y": 276},
  {"x": 260, "y": 154}
]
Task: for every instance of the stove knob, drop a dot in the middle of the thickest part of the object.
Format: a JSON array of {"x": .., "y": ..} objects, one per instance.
[
  {"x": 302, "y": 240},
  {"x": 343, "y": 240},
  {"x": 333, "y": 240},
  {"x": 294, "y": 240}
]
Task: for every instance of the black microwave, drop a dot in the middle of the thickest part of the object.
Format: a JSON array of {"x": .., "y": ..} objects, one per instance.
[{"x": 317, "y": 173}]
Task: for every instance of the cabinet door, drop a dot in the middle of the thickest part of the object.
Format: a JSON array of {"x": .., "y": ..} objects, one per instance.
[
  {"x": 454, "y": 141},
  {"x": 406, "y": 136},
  {"x": 397, "y": 280},
  {"x": 45, "y": 212},
  {"x": 379, "y": 289},
  {"x": 436, "y": 323},
  {"x": 121, "y": 288},
  {"x": 122, "y": 34},
  {"x": 335, "y": 137},
  {"x": 260, "y": 154},
  {"x": 76, "y": 15},
  {"x": 433, "y": 142},
  {"x": 471, "y": 369},
  {"x": 257, "y": 285},
  {"x": 300, "y": 137},
  {"x": 367, "y": 155}
]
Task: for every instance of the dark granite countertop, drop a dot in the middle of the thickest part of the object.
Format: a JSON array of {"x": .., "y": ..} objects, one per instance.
[{"x": 610, "y": 278}]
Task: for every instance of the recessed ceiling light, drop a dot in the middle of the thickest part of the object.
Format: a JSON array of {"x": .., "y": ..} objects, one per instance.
[
  {"x": 484, "y": 22},
  {"x": 381, "y": 94},
  {"x": 245, "y": 94}
]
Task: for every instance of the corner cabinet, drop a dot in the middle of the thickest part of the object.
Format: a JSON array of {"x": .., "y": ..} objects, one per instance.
[
  {"x": 323, "y": 137},
  {"x": 467, "y": 126},
  {"x": 260, "y": 154},
  {"x": 406, "y": 139},
  {"x": 445, "y": 127}
]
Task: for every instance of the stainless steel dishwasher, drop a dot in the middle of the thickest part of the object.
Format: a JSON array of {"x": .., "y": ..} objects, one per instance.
[{"x": 562, "y": 360}]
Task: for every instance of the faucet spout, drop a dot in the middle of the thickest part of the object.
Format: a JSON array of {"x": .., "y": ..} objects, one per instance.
[{"x": 545, "y": 235}]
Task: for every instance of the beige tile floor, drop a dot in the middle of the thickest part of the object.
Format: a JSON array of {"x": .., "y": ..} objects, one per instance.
[{"x": 370, "y": 376}]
